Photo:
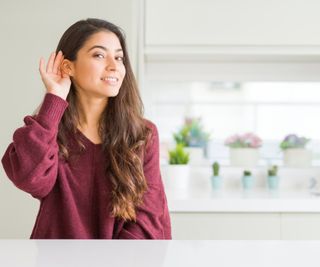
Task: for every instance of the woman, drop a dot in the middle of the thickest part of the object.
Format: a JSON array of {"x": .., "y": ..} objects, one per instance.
[{"x": 88, "y": 155}]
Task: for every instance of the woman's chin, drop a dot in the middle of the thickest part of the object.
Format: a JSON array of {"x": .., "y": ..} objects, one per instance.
[{"x": 113, "y": 93}]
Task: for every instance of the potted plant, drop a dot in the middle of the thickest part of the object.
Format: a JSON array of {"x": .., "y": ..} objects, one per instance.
[
  {"x": 177, "y": 172},
  {"x": 273, "y": 178},
  {"x": 194, "y": 138},
  {"x": 244, "y": 149},
  {"x": 178, "y": 156},
  {"x": 216, "y": 180},
  {"x": 295, "y": 153},
  {"x": 247, "y": 180}
]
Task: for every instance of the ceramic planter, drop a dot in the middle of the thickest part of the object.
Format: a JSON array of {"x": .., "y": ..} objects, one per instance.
[
  {"x": 247, "y": 182},
  {"x": 297, "y": 157},
  {"x": 273, "y": 182},
  {"x": 244, "y": 157},
  {"x": 216, "y": 182},
  {"x": 176, "y": 178}
]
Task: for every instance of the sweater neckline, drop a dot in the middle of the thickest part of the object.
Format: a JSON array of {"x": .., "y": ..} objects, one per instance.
[{"x": 87, "y": 140}]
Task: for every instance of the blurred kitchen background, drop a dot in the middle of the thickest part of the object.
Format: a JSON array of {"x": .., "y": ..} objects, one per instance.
[{"x": 236, "y": 67}]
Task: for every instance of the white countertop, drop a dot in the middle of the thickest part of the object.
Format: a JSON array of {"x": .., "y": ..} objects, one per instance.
[
  {"x": 240, "y": 201},
  {"x": 143, "y": 253}
]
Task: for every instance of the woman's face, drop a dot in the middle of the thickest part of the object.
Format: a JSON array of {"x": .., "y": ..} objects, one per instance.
[{"x": 99, "y": 70}]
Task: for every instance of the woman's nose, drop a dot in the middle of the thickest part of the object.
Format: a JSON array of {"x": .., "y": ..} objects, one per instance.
[{"x": 111, "y": 64}]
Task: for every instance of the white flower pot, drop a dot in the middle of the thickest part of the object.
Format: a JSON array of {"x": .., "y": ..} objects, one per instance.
[
  {"x": 297, "y": 157},
  {"x": 196, "y": 155},
  {"x": 176, "y": 179},
  {"x": 244, "y": 157}
]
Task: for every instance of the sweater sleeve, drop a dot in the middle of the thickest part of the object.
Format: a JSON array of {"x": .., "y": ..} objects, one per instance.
[
  {"x": 153, "y": 220},
  {"x": 31, "y": 160}
]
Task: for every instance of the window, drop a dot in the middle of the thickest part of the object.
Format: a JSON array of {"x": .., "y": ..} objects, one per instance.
[{"x": 270, "y": 109}]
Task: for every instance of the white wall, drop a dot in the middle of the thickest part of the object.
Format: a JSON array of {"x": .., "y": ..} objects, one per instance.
[{"x": 30, "y": 29}]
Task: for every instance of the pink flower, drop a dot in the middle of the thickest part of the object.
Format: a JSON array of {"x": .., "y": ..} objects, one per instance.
[
  {"x": 245, "y": 140},
  {"x": 232, "y": 139}
]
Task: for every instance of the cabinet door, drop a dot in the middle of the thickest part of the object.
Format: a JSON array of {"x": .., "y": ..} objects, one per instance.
[
  {"x": 219, "y": 226},
  {"x": 300, "y": 226},
  {"x": 230, "y": 22}
]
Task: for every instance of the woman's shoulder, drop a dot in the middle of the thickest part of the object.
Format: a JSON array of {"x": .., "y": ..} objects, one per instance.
[
  {"x": 152, "y": 135},
  {"x": 149, "y": 124},
  {"x": 152, "y": 128}
]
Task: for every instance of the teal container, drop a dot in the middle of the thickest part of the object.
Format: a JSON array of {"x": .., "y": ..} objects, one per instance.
[
  {"x": 247, "y": 182},
  {"x": 273, "y": 182},
  {"x": 216, "y": 182}
]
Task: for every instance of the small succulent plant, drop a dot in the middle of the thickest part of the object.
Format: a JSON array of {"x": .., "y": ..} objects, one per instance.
[
  {"x": 178, "y": 155},
  {"x": 216, "y": 168},
  {"x": 273, "y": 170},
  {"x": 246, "y": 173}
]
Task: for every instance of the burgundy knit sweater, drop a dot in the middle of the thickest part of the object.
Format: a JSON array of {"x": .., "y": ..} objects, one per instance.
[{"x": 74, "y": 195}]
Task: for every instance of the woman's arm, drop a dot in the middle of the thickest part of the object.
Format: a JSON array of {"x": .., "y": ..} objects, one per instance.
[
  {"x": 153, "y": 220},
  {"x": 31, "y": 160}
]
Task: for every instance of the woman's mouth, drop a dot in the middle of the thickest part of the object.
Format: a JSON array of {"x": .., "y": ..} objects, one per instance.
[{"x": 110, "y": 80}]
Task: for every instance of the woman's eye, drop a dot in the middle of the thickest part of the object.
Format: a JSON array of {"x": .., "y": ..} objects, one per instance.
[
  {"x": 119, "y": 58},
  {"x": 99, "y": 56}
]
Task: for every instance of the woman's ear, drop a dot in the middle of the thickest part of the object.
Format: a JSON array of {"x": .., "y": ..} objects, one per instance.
[{"x": 67, "y": 67}]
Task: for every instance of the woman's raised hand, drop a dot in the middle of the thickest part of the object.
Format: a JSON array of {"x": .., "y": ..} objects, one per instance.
[{"x": 55, "y": 80}]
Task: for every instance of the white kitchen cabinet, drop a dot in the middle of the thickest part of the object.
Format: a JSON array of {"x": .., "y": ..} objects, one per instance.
[
  {"x": 231, "y": 22},
  {"x": 252, "y": 226},
  {"x": 221, "y": 226},
  {"x": 300, "y": 226},
  {"x": 249, "y": 40}
]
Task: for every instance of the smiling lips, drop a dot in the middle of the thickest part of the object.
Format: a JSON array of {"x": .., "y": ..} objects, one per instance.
[{"x": 110, "y": 80}]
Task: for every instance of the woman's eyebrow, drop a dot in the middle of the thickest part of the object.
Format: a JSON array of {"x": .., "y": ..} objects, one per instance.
[{"x": 103, "y": 48}]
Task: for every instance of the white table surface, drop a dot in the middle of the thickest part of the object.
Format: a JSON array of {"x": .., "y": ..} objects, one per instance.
[{"x": 96, "y": 253}]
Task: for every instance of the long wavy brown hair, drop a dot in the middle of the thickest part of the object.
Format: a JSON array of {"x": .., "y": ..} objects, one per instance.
[{"x": 123, "y": 140}]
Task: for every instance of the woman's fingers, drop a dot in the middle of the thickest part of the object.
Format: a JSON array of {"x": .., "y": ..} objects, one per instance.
[
  {"x": 53, "y": 77},
  {"x": 57, "y": 63},
  {"x": 53, "y": 65},
  {"x": 41, "y": 66},
  {"x": 51, "y": 62}
]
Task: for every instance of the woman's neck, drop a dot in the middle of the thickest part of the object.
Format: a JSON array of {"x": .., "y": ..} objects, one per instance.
[{"x": 90, "y": 110}]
